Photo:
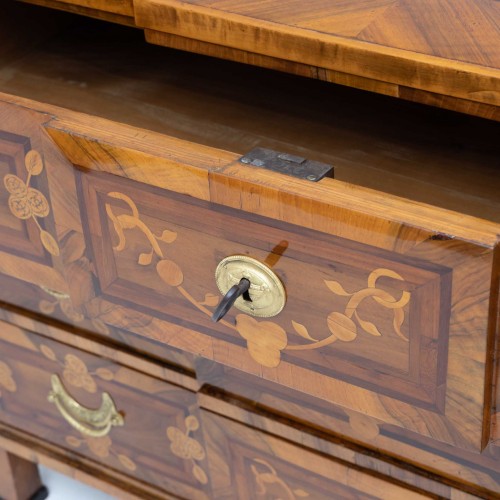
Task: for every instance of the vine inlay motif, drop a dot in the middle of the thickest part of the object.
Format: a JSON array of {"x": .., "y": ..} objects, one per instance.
[
  {"x": 265, "y": 474},
  {"x": 188, "y": 448},
  {"x": 266, "y": 340},
  {"x": 26, "y": 202}
]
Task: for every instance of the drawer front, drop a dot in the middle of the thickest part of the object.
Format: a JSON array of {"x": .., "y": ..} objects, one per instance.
[
  {"x": 257, "y": 465},
  {"x": 388, "y": 309},
  {"x": 383, "y": 333},
  {"x": 150, "y": 430},
  {"x": 44, "y": 266}
]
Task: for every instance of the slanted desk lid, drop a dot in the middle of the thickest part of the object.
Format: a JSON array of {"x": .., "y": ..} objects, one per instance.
[{"x": 445, "y": 53}]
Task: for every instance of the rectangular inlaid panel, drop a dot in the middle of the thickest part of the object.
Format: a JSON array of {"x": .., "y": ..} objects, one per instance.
[
  {"x": 24, "y": 180},
  {"x": 44, "y": 268},
  {"x": 152, "y": 433},
  {"x": 281, "y": 411},
  {"x": 388, "y": 313},
  {"x": 249, "y": 464},
  {"x": 333, "y": 288},
  {"x": 365, "y": 328}
]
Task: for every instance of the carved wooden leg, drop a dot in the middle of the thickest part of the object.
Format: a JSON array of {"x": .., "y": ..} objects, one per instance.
[{"x": 19, "y": 479}]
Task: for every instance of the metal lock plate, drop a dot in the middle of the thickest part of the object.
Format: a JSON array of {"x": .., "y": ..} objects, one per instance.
[
  {"x": 266, "y": 296},
  {"x": 288, "y": 164}
]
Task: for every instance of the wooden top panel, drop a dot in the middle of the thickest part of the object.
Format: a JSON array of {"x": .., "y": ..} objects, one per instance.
[
  {"x": 462, "y": 30},
  {"x": 450, "y": 47}
]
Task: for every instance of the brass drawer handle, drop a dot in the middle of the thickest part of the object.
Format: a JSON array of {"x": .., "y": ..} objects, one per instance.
[
  {"x": 55, "y": 293},
  {"x": 93, "y": 423}
]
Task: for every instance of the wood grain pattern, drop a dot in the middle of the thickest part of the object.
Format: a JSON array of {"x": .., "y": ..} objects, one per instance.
[
  {"x": 435, "y": 157},
  {"x": 32, "y": 298},
  {"x": 446, "y": 102},
  {"x": 19, "y": 478},
  {"x": 121, "y": 270},
  {"x": 285, "y": 456},
  {"x": 34, "y": 449},
  {"x": 144, "y": 447},
  {"x": 391, "y": 47},
  {"x": 171, "y": 366},
  {"x": 119, "y": 281},
  {"x": 281, "y": 412},
  {"x": 232, "y": 54},
  {"x": 490, "y": 112},
  {"x": 396, "y": 42},
  {"x": 119, "y": 7},
  {"x": 363, "y": 206},
  {"x": 261, "y": 466},
  {"x": 394, "y": 237},
  {"x": 140, "y": 219}
]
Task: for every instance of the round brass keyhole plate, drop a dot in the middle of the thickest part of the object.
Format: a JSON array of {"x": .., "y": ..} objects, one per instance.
[{"x": 266, "y": 296}]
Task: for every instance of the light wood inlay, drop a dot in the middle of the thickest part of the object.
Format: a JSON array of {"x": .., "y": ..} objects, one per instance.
[{"x": 380, "y": 375}]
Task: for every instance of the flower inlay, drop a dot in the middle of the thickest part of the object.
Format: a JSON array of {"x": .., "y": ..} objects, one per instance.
[
  {"x": 101, "y": 447},
  {"x": 26, "y": 202},
  {"x": 76, "y": 373},
  {"x": 188, "y": 448},
  {"x": 266, "y": 340}
]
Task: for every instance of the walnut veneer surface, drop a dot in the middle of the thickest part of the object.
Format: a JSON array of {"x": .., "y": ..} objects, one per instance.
[
  {"x": 442, "y": 53},
  {"x": 122, "y": 190}
]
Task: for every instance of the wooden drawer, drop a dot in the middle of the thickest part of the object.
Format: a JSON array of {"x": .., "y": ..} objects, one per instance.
[
  {"x": 152, "y": 417},
  {"x": 428, "y": 466},
  {"x": 152, "y": 258},
  {"x": 379, "y": 325},
  {"x": 258, "y": 465},
  {"x": 392, "y": 304}
]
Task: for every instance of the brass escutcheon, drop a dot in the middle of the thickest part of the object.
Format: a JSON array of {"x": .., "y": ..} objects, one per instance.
[
  {"x": 92, "y": 423},
  {"x": 266, "y": 295}
]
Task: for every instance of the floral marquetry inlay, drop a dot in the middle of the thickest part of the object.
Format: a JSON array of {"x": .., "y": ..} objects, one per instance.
[
  {"x": 182, "y": 445},
  {"x": 267, "y": 340},
  {"x": 101, "y": 447},
  {"x": 76, "y": 374},
  {"x": 266, "y": 476},
  {"x": 26, "y": 202},
  {"x": 75, "y": 371},
  {"x": 7, "y": 381}
]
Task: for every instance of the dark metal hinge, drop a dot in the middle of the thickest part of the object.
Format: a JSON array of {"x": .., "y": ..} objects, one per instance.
[{"x": 287, "y": 164}]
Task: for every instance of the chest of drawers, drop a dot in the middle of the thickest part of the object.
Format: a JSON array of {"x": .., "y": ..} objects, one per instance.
[{"x": 129, "y": 173}]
